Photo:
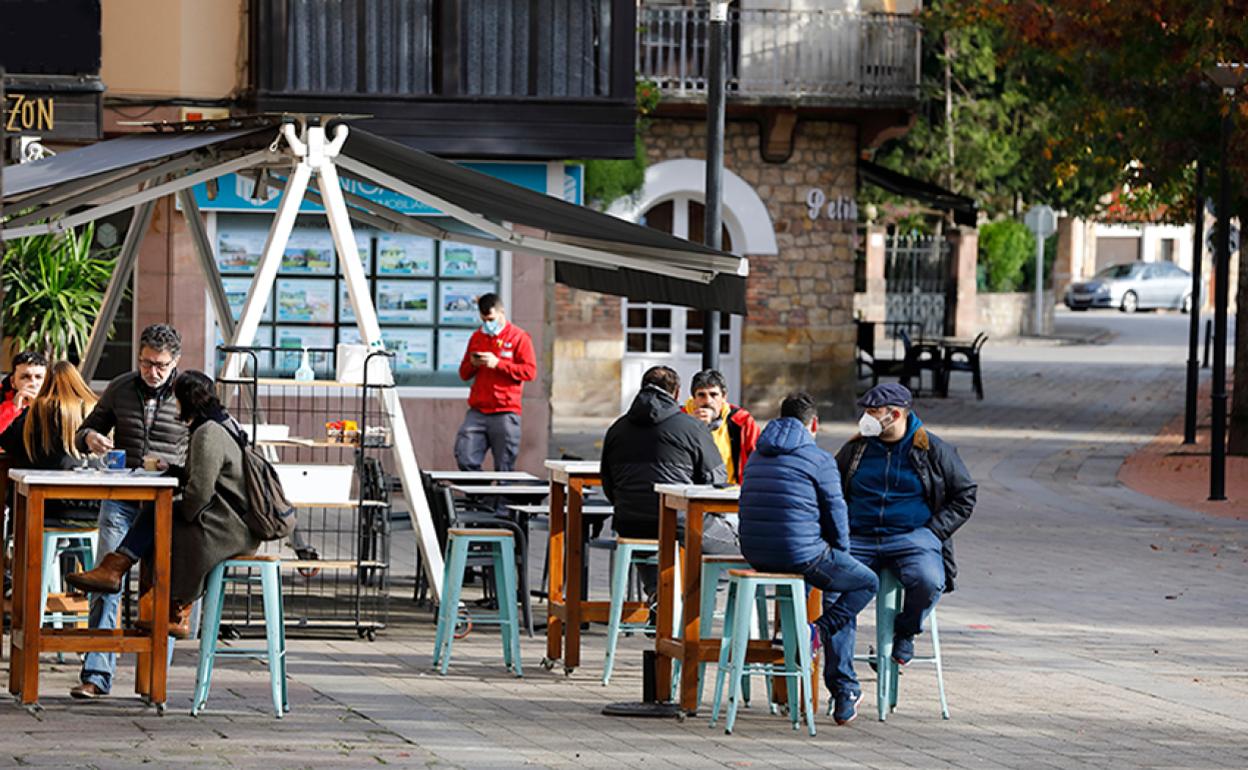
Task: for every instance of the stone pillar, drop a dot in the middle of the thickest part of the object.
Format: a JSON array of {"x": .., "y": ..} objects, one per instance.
[
  {"x": 964, "y": 243},
  {"x": 874, "y": 302}
]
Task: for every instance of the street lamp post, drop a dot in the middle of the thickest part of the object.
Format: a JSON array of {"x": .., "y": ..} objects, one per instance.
[
  {"x": 718, "y": 34},
  {"x": 1230, "y": 78},
  {"x": 1193, "y": 333}
]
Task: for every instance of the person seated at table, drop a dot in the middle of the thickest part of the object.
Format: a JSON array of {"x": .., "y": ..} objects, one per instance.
[
  {"x": 793, "y": 520},
  {"x": 908, "y": 492},
  {"x": 18, "y": 389},
  {"x": 733, "y": 428},
  {"x": 656, "y": 442},
  {"x": 42, "y": 438},
  {"x": 208, "y": 527}
]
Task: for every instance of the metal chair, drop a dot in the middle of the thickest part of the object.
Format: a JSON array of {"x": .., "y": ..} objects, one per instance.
[{"x": 961, "y": 358}]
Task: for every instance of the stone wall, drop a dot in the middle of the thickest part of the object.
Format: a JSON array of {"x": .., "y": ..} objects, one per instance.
[
  {"x": 1011, "y": 314},
  {"x": 799, "y": 331}
]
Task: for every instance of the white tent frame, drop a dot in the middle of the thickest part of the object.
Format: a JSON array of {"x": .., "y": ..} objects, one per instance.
[{"x": 313, "y": 155}]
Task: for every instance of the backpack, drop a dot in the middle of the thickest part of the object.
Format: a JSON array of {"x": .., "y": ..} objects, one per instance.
[{"x": 266, "y": 511}]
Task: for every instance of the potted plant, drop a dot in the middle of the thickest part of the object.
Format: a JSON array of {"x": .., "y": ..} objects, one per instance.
[{"x": 53, "y": 287}]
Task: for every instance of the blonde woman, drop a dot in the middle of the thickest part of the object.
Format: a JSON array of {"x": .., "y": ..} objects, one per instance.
[{"x": 42, "y": 437}]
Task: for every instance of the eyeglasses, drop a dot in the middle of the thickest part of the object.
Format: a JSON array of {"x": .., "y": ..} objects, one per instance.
[{"x": 158, "y": 366}]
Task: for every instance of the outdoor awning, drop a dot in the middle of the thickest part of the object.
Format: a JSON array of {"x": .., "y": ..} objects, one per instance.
[
  {"x": 964, "y": 210},
  {"x": 591, "y": 250}
]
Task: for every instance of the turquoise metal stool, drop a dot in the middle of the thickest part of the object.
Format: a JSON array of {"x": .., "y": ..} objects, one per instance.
[
  {"x": 744, "y": 589},
  {"x": 270, "y": 579},
  {"x": 628, "y": 552},
  {"x": 57, "y": 543},
  {"x": 887, "y": 605},
  {"x": 502, "y": 545},
  {"x": 715, "y": 567}
]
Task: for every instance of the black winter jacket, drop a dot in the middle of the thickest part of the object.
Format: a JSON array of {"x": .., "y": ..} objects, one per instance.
[
  {"x": 655, "y": 443},
  {"x": 121, "y": 410},
  {"x": 947, "y": 486}
]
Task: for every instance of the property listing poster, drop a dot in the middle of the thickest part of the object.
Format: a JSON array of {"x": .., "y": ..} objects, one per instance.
[
  {"x": 305, "y": 300},
  {"x": 457, "y": 302},
  {"x": 451, "y": 346},
  {"x": 460, "y": 260},
  {"x": 406, "y": 302},
  {"x": 405, "y": 255}
]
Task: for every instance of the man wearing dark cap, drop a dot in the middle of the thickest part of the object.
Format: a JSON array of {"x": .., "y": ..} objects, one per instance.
[{"x": 908, "y": 492}]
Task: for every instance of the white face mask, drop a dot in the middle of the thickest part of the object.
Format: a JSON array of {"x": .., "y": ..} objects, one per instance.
[{"x": 870, "y": 425}]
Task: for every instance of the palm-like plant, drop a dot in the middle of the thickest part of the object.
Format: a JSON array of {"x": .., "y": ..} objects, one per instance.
[{"x": 53, "y": 287}]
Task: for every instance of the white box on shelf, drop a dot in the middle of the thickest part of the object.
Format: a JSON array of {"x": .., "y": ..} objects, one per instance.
[
  {"x": 350, "y": 360},
  {"x": 271, "y": 432},
  {"x": 312, "y": 484}
]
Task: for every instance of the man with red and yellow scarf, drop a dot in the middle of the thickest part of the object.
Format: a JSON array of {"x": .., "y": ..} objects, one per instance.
[{"x": 733, "y": 429}]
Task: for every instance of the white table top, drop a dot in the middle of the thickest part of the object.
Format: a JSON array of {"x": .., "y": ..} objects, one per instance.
[
  {"x": 88, "y": 479},
  {"x": 698, "y": 491},
  {"x": 482, "y": 476},
  {"x": 502, "y": 490},
  {"x": 575, "y": 467}
]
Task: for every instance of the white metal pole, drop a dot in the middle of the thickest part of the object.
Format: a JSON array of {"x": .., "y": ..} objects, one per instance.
[
  {"x": 1039, "y": 329},
  {"x": 321, "y": 155},
  {"x": 270, "y": 260}
]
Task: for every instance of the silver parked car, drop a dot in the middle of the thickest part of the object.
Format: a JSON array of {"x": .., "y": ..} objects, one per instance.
[{"x": 1134, "y": 286}]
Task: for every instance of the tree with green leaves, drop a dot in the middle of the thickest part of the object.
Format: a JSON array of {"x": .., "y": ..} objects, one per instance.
[{"x": 1131, "y": 92}]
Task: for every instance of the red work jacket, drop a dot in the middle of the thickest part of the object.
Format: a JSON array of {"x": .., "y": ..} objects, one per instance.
[{"x": 498, "y": 389}]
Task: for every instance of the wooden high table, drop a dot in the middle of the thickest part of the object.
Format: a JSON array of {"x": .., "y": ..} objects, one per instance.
[
  {"x": 692, "y": 649},
  {"x": 567, "y": 608},
  {"x": 29, "y": 638}
]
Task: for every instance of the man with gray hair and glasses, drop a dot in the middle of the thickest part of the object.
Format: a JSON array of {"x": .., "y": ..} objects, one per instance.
[{"x": 139, "y": 411}]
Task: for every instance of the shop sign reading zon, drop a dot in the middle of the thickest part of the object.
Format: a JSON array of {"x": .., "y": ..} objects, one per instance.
[
  {"x": 24, "y": 113},
  {"x": 61, "y": 115}
]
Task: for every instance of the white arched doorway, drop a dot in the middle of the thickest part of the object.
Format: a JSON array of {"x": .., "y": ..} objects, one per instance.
[{"x": 668, "y": 335}]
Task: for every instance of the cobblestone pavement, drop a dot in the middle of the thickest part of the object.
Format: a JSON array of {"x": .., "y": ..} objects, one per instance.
[{"x": 1093, "y": 627}]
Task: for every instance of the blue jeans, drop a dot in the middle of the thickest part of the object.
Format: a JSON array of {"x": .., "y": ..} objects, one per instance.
[
  {"x": 847, "y": 584},
  {"x": 916, "y": 558},
  {"x": 116, "y": 518}
]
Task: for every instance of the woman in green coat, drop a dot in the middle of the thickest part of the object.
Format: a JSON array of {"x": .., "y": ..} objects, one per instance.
[{"x": 207, "y": 525}]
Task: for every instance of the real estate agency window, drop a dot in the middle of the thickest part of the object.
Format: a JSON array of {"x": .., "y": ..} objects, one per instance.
[{"x": 425, "y": 293}]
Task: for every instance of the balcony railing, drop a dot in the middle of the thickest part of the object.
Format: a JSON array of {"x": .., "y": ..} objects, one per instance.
[{"x": 773, "y": 55}]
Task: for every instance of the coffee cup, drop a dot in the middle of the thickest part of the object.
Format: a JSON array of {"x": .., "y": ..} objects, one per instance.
[{"x": 115, "y": 459}]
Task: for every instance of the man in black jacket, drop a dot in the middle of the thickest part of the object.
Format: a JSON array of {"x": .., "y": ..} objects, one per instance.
[
  {"x": 908, "y": 492},
  {"x": 139, "y": 410},
  {"x": 657, "y": 443}
]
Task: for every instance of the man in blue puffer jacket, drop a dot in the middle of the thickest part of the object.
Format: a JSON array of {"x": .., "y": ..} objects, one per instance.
[{"x": 793, "y": 519}]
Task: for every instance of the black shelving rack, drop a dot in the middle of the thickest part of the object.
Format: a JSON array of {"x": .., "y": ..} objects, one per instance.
[{"x": 336, "y": 566}]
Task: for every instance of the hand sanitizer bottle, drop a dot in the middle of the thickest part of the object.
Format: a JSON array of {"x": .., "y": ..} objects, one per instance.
[{"x": 304, "y": 373}]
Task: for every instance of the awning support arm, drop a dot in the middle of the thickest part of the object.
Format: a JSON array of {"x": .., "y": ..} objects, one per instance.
[{"x": 116, "y": 291}]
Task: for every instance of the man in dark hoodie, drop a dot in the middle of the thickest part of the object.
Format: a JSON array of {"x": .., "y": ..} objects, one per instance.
[
  {"x": 657, "y": 443},
  {"x": 793, "y": 520},
  {"x": 908, "y": 492}
]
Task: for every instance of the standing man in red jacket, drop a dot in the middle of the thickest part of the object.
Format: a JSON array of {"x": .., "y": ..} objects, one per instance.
[{"x": 499, "y": 360}]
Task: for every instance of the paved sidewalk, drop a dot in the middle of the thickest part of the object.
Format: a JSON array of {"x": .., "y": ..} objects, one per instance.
[{"x": 1093, "y": 627}]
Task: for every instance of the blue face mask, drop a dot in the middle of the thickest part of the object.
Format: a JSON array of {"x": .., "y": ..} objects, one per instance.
[{"x": 492, "y": 328}]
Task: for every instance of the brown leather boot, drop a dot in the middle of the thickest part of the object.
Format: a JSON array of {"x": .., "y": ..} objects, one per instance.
[
  {"x": 105, "y": 578},
  {"x": 179, "y": 621}
]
